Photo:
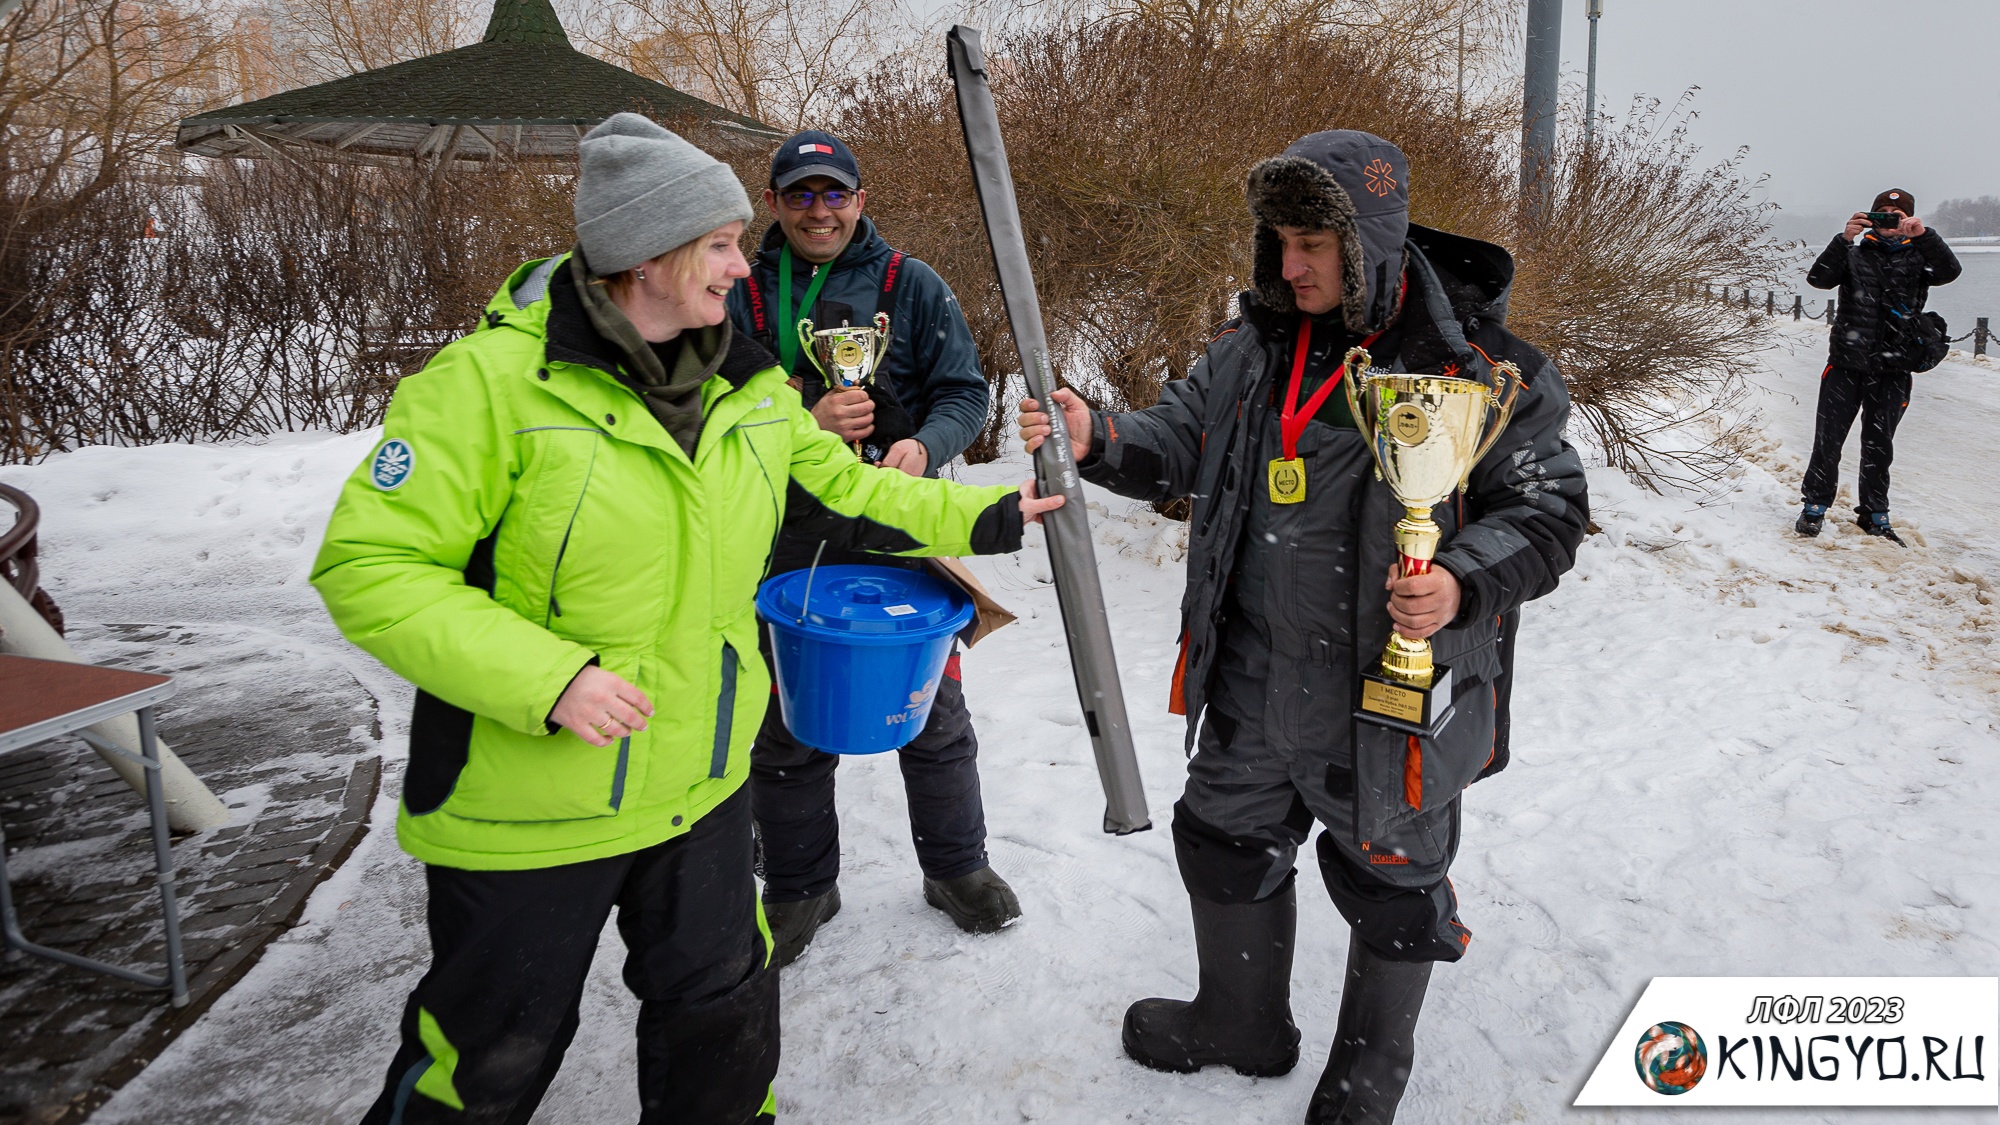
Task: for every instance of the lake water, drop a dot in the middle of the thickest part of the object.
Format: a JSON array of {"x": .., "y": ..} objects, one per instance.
[{"x": 1976, "y": 293}]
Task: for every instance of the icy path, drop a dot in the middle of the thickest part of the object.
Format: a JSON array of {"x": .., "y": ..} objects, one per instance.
[{"x": 1735, "y": 752}]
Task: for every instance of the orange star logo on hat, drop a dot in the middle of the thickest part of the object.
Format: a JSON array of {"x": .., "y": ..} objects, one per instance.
[{"x": 1381, "y": 177}]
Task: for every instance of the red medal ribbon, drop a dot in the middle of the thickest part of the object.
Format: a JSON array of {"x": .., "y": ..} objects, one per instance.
[{"x": 1291, "y": 423}]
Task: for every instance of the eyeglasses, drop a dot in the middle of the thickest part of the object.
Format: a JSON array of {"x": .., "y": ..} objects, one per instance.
[{"x": 801, "y": 199}]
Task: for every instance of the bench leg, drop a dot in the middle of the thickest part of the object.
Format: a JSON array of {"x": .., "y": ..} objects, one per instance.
[
  {"x": 175, "y": 980},
  {"x": 163, "y": 858},
  {"x": 11, "y": 940}
]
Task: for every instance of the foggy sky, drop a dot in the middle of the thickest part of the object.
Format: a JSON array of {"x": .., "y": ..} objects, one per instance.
[{"x": 1837, "y": 99}]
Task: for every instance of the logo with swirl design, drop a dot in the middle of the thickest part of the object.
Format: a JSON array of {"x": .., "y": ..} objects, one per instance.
[{"x": 1671, "y": 1058}]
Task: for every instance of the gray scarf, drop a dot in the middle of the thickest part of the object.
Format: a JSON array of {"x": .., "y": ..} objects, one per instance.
[{"x": 674, "y": 396}]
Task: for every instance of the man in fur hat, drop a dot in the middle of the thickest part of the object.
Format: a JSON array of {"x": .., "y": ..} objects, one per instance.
[{"x": 1289, "y": 599}]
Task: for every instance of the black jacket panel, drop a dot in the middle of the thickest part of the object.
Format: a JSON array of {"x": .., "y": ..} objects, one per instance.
[{"x": 1882, "y": 280}]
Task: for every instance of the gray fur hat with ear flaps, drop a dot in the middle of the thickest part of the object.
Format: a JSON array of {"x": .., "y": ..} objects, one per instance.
[{"x": 1352, "y": 183}]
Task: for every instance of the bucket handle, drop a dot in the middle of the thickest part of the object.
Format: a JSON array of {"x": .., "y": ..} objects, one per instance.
[{"x": 805, "y": 603}]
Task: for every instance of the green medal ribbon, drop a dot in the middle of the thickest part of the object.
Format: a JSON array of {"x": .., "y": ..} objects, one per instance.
[{"x": 788, "y": 317}]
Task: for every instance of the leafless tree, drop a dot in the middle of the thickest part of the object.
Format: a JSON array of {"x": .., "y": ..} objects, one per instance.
[
  {"x": 323, "y": 39},
  {"x": 773, "y": 60}
]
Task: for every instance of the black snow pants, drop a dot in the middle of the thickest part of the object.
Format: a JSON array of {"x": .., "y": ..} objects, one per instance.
[
  {"x": 792, "y": 787},
  {"x": 486, "y": 1028},
  {"x": 1880, "y": 400}
]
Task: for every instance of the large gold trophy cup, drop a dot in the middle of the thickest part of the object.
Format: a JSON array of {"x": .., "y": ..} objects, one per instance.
[
  {"x": 848, "y": 357},
  {"x": 1426, "y": 433}
]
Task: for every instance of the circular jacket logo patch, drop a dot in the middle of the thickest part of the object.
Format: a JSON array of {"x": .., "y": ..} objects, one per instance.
[{"x": 392, "y": 465}]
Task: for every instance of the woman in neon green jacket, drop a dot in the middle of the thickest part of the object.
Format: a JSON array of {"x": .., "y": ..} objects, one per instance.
[{"x": 558, "y": 540}]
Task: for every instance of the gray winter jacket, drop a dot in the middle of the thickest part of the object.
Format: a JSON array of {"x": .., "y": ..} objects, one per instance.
[{"x": 1507, "y": 538}]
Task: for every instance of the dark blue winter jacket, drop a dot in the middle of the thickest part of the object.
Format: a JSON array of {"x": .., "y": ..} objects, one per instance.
[{"x": 932, "y": 366}]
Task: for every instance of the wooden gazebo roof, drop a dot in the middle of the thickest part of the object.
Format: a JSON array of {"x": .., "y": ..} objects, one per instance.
[{"x": 521, "y": 91}]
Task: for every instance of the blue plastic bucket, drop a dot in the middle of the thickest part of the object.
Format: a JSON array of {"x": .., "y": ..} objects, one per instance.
[{"x": 859, "y": 652}]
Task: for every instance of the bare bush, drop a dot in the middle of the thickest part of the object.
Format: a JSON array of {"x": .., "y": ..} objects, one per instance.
[
  {"x": 1612, "y": 284},
  {"x": 89, "y": 90},
  {"x": 273, "y": 296},
  {"x": 374, "y": 269},
  {"x": 1131, "y": 136}
]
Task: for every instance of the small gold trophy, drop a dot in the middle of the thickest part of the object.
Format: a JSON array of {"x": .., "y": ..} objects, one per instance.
[
  {"x": 847, "y": 356},
  {"x": 1426, "y": 433}
]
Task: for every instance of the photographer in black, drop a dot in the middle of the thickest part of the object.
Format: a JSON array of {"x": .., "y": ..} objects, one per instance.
[{"x": 1884, "y": 264}]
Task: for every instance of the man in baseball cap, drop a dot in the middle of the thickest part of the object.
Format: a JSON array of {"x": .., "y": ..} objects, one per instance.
[
  {"x": 824, "y": 260},
  {"x": 1884, "y": 264},
  {"x": 814, "y": 153}
]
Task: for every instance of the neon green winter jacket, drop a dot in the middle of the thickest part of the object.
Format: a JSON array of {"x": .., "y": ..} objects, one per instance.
[{"x": 524, "y": 515}]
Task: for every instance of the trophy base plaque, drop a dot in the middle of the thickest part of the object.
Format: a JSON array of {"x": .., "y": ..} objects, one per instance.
[{"x": 1399, "y": 706}]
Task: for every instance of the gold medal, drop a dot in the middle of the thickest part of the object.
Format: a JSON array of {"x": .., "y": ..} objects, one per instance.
[{"x": 1288, "y": 480}]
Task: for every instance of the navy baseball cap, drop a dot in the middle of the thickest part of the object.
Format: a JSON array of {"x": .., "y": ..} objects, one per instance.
[{"x": 814, "y": 153}]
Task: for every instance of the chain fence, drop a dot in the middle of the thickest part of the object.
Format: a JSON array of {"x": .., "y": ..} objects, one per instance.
[{"x": 1981, "y": 335}]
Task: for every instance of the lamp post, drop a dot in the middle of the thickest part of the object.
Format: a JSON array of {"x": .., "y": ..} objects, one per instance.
[
  {"x": 1594, "y": 9},
  {"x": 1538, "y": 100}
]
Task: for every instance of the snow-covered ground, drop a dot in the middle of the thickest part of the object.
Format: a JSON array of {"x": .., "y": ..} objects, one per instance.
[{"x": 1735, "y": 752}]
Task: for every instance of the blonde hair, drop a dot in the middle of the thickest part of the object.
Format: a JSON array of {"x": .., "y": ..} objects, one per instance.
[{"x": 676, "y": 266}]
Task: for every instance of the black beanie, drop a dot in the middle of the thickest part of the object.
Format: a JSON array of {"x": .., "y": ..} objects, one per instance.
[{"x": 1897, "y": 198}]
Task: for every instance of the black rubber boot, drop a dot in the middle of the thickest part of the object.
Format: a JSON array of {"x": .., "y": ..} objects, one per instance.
[
  {"x": 980, "y": 903},
  {"x": 1811, "y": 518},
  {"x": 1375, "y": 1043},
  {"x": 1241, "y": 1015},
  {"x": 793, "y": 924}
]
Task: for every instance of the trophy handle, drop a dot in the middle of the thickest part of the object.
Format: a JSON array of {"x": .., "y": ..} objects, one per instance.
[
  {"x": 883, "y": 340},
  {"x": 1509, "y": 376},
  {"x": 805, "y": 330},
  {"x": 1348, "y": 377}
]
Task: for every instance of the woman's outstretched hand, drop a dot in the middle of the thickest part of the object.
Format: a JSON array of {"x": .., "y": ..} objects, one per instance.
[{"x": 600, "y": 707}]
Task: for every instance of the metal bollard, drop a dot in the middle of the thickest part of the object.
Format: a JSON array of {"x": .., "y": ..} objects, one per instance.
[
  {"x": 1980, "y": 335},
  {"x": 1798, "y": 307}
]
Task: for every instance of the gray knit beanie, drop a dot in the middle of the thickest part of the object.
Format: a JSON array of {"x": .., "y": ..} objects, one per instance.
[{"x": 641, "y": 191}]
